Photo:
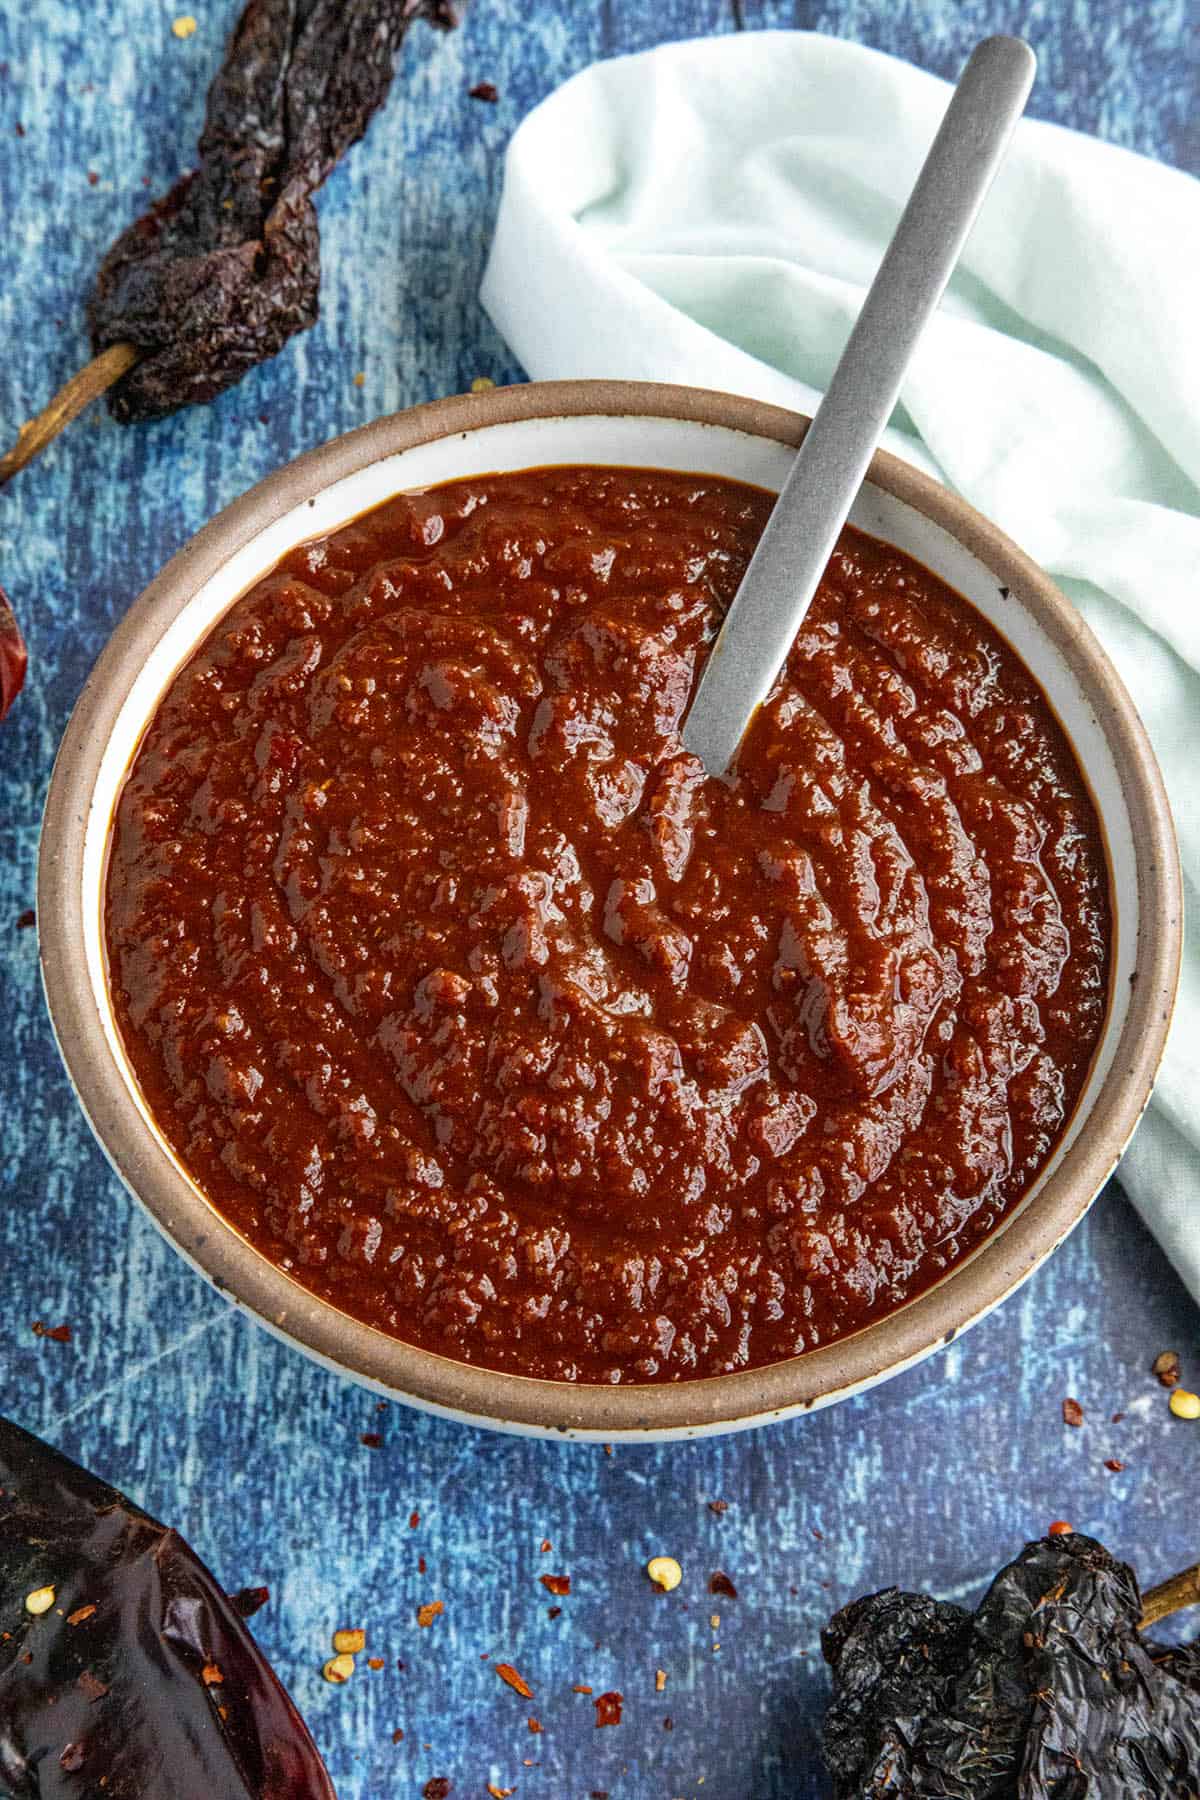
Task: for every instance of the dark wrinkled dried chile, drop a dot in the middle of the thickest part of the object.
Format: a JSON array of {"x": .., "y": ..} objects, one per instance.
[
  {"x": 108, "y": 1686},
  {"x": 222, "y": 272},
  {"x": 1046, "y": 1691}
]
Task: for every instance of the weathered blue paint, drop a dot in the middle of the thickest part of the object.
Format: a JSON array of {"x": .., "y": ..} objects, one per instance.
[{"x": 248, "y": 1449}]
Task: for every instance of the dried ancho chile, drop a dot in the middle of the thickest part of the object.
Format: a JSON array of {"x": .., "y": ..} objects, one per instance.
[
  {"x": 217, "y": 276},
  {"x": 1047, "y": 1690},
  {"x": 124, "y": 1669}
]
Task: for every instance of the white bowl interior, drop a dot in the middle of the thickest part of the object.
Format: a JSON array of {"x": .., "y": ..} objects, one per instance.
[{"x": 632, "y": 441}]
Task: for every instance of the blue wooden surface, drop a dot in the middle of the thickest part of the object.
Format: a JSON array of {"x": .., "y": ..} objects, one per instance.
[{"x": 254, "y": 1454}]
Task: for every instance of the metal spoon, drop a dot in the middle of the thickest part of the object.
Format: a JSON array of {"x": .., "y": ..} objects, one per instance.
[{"x": 830, "y": 465}]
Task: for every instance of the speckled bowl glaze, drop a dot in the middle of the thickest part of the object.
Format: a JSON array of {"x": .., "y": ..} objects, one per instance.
[{"x": 649, "y": 426}]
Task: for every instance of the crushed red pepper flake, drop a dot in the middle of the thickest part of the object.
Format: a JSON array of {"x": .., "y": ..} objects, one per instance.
[
  {"x": 553, "y": 1612},
  {"x": 372, "y": 1440},
  {"x": 61, "y": 1334},
  {"x": 1114, "y": 1464},
  {"x": 484, "y": 90},
  {"x": 506, "y": 1672},
  {"x": 428, "y": 1613},
  {"x": 437, "y": 1787},
  {"x": 249, "y": 1600},
  {"x": 556, "y": 1584},
  {"x": 26, "y": 919},
  {"x": 499, "y": 1793},
  {"x": 608, "y": 1709},
  {"x": 1166, "y": 1367},
  {"x": 1072, "y": 1413},
  {"x": 719, "y": 1583},
  {"x": 397, "y": 1736},
  {"x": 422, "y": 1566},
  {"x": 375, "y": 1662},
  {"x": 414, "y": 1519},
  {"x": 717, "y": 1507},
  {"x": 535, "y": 1725},
  {"x": 581, "y": 1689},
  {"x": 211, "y": 1675},
  {"x": 80, "y": 1614},
  {"x": 668, "y": 1724},
  {"x": 546, "y": 1545},
  {"x": 1060, "y": 1528}
]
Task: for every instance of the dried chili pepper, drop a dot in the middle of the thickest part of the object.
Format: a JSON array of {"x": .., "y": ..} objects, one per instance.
[
  {"x": 13, "y": 656},
  {"x": 222, "y": 272},
  {"x": 1046, "y": 1690},
  {"x": 140, "y": 1677}
]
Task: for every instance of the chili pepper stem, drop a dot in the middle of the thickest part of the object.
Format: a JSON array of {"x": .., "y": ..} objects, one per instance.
[
  {"x": 66, "y": 405},
  {"x": 1169, "y": 1596}
]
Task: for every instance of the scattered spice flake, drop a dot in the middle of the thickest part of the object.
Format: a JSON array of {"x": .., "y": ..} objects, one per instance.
[
  {"x": 428, "y": 1613},
  {"x": 715, "y": 1621},
  {"x": 20, "y": 129},
  {"x": 660, "y": 1680},
  {"x": 719, "y": 1583},
  {"x": 92, "y": 1686},
  {"x": 499, "y": 1793},
  {"x": 717, "y": 1507},
  {"x": 422, "y": 1566},
  {"x": 608, "y": 1709},
  {"x": 581, "y": 1690},
  {"x": 1072, "y": 1413},
  {"x": 338, "y": 1669},
  {"x": 414, "y": 1519},
  {"x": 553, "y": 1612},
  {"x": 360, "y": 379},
  {"x": 819, "y": 1535},
  {"x": 93, "y": 178},
  {"x": 668, "y": 1724},
  {"x": 375, "y": 1662},
  {"x": 556, "y": 1584},
  {"x": 350, "y": 1641},
  {"x": 506, "y": 1672},
  {"x": 372, "y": 1440},
  {"x": 485, "y": 90},
  {"x": 608, "y": 1449},
  {"x": 1166, "y": 1367},
  {"x": 1060, "y": 1528},
  {"x": 26, "y": 919},
  {"x": 249, "y": 1600},
  {"x": 1117, "y": 1417},
  {"x": 71, "y": 1758},
  {"x": 546, "y": 1545},
  {"x": 1114, "y": 1464},
  {"x": 61, "y": 1334},
  {"x": 211, "y": 1675},
  {"x": 437, "y": 1787},
  {"x": 535, "y": 1725},
  {"x": 397, "y": 1736},
  {"x": 80, "y": 1614}
]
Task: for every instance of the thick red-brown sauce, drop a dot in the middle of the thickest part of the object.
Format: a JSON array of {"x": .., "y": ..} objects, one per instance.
[{"x": 474, "y": 1005}]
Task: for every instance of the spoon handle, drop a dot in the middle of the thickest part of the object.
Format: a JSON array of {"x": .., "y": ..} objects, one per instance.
[{"x": 830, "y": 465}]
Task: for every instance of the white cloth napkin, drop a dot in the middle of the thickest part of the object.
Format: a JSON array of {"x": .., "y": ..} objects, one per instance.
[{"x": 712, "y": 212}]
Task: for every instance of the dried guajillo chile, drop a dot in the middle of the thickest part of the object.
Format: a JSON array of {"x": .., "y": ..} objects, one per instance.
[
  {"x": 13, "y": 655},
  {"x": 219, "y": 274},
  {"x": 1046, "y": 1690},
  {"x": 124, "y": 1669}
]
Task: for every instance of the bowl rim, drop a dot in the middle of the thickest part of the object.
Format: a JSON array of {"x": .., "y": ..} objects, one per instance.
[{"x": 519, "y": 1402}]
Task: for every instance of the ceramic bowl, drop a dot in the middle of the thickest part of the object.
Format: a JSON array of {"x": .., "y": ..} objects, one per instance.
[{"x": 649, "y": 426}]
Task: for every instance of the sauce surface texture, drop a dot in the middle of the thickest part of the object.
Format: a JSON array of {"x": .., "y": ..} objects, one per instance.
[{"x": 472, "y": 1003}]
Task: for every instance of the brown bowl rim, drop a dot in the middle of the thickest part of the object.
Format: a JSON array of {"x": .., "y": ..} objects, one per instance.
[{"x": 523, "y": 1402}]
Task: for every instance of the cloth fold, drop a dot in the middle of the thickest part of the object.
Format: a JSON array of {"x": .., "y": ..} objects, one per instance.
[{"x": 712, "y": 212}]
